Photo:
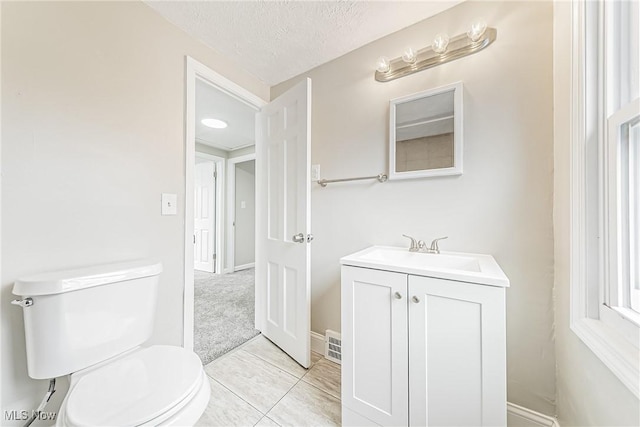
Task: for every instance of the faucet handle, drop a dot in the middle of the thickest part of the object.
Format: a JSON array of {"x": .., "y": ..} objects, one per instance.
[
  {"x": 434, "y": 244},
  {"x": 414, "y": 243}
]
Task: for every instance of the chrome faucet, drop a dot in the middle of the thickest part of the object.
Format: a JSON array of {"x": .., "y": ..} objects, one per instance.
[
  {"x": 414, "y": 244},
  {"x": 421, "y": 246},
  {"x": 434, "y": 249}
]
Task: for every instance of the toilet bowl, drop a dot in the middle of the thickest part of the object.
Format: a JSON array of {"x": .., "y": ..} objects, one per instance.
[
  {"x": 92, "y": 324},
  {"x": 151, "y": 386}
]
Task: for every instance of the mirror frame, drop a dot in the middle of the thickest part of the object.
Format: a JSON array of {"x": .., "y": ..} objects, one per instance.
[{"x": 458, "y": 108}]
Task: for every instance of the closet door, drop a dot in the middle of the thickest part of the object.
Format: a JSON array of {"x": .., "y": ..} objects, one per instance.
[
  {"x": 457, "y": 353},
  {"x": 374, "y": 350}
]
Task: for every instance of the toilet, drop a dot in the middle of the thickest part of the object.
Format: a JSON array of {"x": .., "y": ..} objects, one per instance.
[{"x": 91, "y": 324}]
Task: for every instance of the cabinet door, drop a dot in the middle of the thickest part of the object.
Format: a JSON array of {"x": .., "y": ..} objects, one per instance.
[
  {"x": 374, "y": 345},
  {"x": 456, "y": 354}
]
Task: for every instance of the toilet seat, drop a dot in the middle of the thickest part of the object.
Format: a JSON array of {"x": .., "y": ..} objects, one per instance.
[{"x": 145, "y": 387}]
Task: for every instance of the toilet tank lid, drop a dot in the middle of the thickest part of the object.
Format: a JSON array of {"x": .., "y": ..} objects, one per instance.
[{"x": 72, "y": 280}]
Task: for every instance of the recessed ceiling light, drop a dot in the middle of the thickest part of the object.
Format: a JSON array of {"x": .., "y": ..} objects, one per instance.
[{"x": 214, "y": 123}]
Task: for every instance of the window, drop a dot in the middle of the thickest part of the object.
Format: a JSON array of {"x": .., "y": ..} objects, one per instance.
[
  {"x": 622, "y": 141},
  {"x": 605, "y": 187},
  {"x": 633, "y": 183}
]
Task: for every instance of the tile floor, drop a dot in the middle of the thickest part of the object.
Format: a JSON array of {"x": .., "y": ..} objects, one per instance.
[{"x": 258, "y": 384}]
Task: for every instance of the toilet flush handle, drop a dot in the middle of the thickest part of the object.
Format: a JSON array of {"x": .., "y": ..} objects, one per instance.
[{"x": 27, "y": 302}]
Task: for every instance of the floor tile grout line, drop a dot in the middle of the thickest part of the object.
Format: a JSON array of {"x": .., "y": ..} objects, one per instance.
[
  {"x": 289, "y": 391},
  {"x": 323, "y": 391},
  {"x": 279, "y": 367},
  {"x": 240, "y": 397},
  {"x": 276, "y": 366},
  {"x": 270, "y": 419},
  {"x": 298, "y": 380},
  {"x": 285, "y": 395},
  {"x": 272, "y": 365},
  {"x": 269, "y": 410},
  {"x": 233, "y": 350}
]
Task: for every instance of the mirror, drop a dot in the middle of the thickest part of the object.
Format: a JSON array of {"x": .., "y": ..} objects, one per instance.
[{"x": 425, "y": 137}]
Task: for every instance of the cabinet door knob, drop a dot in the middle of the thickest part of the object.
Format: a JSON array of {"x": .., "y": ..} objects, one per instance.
[
  {"x": 415, "y": 299},
  {"x": 397, "y": 295}
]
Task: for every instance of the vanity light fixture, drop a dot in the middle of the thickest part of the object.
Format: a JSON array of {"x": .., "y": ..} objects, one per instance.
[
  {"x": 382, "y": 66},
  {"x": 409, "y": 56},
  {"x": 442, "y": 50},
  {"x": 440, "y": 43},
  {"x": 214, "y": 123},
  {"x": 477, "y": 30}
]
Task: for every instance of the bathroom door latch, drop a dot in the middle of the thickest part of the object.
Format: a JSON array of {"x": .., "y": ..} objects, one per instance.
[{"x": 300, "y": 238}]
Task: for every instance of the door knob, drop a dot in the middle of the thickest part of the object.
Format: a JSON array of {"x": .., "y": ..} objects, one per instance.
[
  {"x": 415, "y": 299},
  {"x": 398, "y": 295},
  {"x": 309, "y": 237},
  {"x": 298, "y": 238}
]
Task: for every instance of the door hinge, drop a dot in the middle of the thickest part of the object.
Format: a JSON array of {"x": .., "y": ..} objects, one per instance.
[
  {"x": 215, "y": 174},
  {"x": 194, "y": 239}
]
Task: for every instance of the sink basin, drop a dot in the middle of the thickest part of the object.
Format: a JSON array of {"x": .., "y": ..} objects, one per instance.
[{"x": 464, "y": 267}]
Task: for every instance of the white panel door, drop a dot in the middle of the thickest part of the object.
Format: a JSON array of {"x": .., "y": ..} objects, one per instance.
[
  {"x": 457, "y": 352},
  {"x": 283, "y": 139},
  {"x": 375, "y": 364},
  {"x": 204, "y": 225}
]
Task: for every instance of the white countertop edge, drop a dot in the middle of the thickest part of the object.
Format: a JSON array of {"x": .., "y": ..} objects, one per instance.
[{"x": 497, "y": 280}]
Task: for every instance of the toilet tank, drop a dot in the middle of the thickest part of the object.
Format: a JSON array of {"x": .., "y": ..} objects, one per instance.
[{"x": 78, "y": 318}]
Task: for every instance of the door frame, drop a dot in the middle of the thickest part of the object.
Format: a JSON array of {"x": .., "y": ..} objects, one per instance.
[
  {"x": 219, "y": 207},
  {"x": 196, "y": 70},
  {"x": 231, "y": 209}
]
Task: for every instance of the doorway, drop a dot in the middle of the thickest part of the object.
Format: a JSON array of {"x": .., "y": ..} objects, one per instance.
[
  {"x": 219, "y": 302},
  {"x": 242, "y": 212},
  {"x": 280, "y": 139}
]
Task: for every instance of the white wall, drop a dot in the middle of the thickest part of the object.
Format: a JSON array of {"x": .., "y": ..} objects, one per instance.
[
  {"x": 589, "y": 394},
  {"x": 245, "y": 230},
  {"x": 93, "y": 133},
  {"x": 501, "y": 205}
]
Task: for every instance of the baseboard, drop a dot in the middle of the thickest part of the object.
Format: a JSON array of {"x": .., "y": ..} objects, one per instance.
[
  {"x": 244, "y": 266},
  {"x": 519, "y": 416},
  {"x": 317, "y": 342}
]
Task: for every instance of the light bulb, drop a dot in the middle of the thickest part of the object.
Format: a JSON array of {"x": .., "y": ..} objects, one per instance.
[
  {"x": 214, "y": 123},
  {"x": 409, "y": 55},
  {"x": 478, "y": 27},
  {"x": 382, "y": 65},
  {"x": 440, "y": 43}
]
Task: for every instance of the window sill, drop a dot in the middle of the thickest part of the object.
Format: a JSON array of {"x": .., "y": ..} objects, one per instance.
[{"x": 618, "y": 354}]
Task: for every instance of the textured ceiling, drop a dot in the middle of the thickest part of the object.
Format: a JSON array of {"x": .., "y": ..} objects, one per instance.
[{"x": 277, "y": 40}]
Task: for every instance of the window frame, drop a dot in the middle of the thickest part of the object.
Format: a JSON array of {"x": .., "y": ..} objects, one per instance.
[
  {"x": 616, "y": 220},
  {"x": 607, "y": 330}
]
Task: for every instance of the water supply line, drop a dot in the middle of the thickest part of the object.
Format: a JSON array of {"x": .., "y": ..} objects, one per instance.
[{"x": 45, "y": 400}]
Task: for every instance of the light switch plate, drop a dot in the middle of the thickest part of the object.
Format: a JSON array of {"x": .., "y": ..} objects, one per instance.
[
  {"x": 169, "y": 204},
  {"x": 315, "y": 172}
]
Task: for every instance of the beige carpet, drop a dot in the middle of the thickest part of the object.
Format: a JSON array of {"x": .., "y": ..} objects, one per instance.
[{"x": 223, "y": 312}]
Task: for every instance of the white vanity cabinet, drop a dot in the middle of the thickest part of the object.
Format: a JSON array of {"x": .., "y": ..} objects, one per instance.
[{"x": 420, "y": 350}]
